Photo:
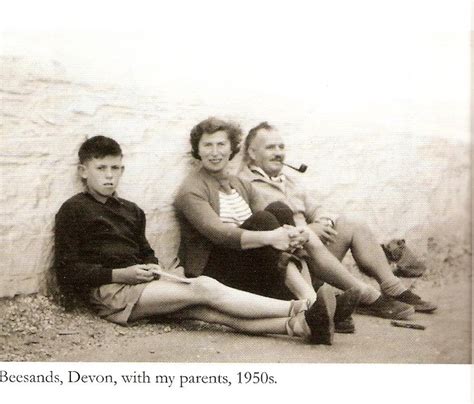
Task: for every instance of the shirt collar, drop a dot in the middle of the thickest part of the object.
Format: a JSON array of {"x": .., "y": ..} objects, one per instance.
[
  {"x": 281, "y": 178},
  {"x": 103, "y": 199}
]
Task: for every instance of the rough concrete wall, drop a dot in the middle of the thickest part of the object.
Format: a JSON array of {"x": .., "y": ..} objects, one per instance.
[{"x": 402, "y": 185}]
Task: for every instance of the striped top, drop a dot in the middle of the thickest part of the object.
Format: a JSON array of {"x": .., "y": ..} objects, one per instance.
[{"x": 233, "y": 208}]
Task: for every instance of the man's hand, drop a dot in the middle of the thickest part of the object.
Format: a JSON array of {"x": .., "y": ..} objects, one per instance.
[
  {"x": 324, "y": 231},
  {"x": 133, "y": 275}
]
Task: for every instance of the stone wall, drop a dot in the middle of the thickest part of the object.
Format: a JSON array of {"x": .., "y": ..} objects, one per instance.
[{"x": 403, "y": 185}]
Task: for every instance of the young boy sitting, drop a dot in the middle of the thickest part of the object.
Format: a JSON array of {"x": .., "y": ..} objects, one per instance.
[{"x": 101, "y": 252}]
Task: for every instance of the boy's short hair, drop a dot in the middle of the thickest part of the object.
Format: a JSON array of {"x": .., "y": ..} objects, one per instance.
[{"x": 98, "y": 147}]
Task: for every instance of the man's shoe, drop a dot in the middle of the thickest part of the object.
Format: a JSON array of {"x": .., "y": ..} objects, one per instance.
[
  {"x": 345, "y": 326},
  {"x": 386, "y": 307},
  {"x": 420, "y": 305},
  {"x": 320, "y": 317}
]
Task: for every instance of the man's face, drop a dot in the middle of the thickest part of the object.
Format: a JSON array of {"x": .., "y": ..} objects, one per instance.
[
  {"x": 267, "y": 151},
  {"x": 102, "y": 175}
]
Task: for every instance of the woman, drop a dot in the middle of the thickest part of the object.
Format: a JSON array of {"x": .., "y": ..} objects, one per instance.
[{"x": 227, "y": 233}]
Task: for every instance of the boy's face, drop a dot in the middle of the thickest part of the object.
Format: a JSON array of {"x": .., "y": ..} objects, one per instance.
[{"x": 102, "y": 175}]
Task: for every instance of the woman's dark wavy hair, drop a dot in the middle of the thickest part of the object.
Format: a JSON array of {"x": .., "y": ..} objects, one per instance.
[{"x": 212, "y": 125}]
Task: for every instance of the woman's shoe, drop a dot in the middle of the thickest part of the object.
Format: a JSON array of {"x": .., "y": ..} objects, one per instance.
[
  {"x": 346, "y": 303},
  {"x": 320, "y": 317},
  {"x": 345, "y": 326}
]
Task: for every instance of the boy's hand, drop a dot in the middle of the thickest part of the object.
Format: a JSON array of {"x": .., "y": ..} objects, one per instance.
[
  {"x": 132, "y": 275},
  {"x": 155, "y": 267},
  {"x": 160, "y": 273}
]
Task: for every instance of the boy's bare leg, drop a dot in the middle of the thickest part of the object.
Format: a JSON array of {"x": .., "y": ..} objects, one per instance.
[
  {"x": 165, "y": 297},
  {"x": 251, "y": 326}
]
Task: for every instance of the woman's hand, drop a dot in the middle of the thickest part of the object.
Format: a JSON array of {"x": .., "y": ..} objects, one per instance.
[
  {"x": 299, "y": 236},
  {"x": 286, "y": 238},
  {"x": 132, "y": 275},
  {"x": 280, "y": 239}
]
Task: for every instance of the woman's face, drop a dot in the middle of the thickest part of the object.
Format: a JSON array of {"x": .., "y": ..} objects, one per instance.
[{"x": 215, "y": 150}]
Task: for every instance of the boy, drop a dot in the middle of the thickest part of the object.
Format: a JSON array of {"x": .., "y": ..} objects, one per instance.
[{"x": 101, "y": 252}]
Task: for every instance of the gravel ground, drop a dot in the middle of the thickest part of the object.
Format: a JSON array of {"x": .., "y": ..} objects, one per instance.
[{"x": 35, "y": 328}]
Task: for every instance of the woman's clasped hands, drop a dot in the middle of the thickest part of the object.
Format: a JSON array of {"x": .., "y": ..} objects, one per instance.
[{"x": 289, "y": 238}]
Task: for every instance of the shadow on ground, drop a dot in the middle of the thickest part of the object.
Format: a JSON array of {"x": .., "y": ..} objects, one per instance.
[{"x": 33, "y": 328}]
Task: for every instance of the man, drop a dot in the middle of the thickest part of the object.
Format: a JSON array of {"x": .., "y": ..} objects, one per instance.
[{"x": 264, "y": 157}]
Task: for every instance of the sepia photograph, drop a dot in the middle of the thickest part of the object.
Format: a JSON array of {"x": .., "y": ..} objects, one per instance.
[{"x": 261, "y": 183}]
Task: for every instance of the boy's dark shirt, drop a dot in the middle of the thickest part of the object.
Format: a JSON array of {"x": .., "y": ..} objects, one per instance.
[{"x": 92, "y": 238}]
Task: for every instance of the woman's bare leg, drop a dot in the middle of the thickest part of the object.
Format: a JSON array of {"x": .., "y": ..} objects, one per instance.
[{"x": 297, "y": 284}]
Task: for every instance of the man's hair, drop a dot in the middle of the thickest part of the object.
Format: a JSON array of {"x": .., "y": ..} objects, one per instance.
[
  {"x": 253, "y": 133},
  {"x": 98, "y": 147},
  {"x": 212, "y": 125}
]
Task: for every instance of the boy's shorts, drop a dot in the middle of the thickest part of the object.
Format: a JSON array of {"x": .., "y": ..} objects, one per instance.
[{"x": 115, "y": 301}]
